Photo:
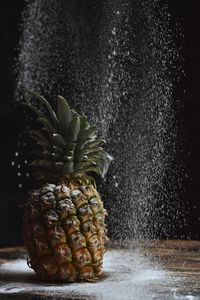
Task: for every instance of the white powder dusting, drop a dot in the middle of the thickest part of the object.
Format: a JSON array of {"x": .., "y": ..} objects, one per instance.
[
  {"x": 129, "y": 275},
  {"x": 18, "y": 266}
]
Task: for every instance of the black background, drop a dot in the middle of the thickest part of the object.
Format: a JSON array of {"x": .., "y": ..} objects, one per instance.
[{"x": 187, "y": 13}]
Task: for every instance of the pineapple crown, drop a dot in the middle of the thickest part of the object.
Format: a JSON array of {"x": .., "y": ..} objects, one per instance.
[{"x": 68, "y": 143}]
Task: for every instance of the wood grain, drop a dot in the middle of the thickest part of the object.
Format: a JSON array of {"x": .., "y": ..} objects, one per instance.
[{"x": 164, "y": 269}]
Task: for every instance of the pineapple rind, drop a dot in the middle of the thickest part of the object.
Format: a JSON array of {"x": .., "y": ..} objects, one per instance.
[{"x": 65, "y": 232}]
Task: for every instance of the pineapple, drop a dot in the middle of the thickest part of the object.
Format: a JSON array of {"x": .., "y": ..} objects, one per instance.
[{"x": 64, "y": 220}]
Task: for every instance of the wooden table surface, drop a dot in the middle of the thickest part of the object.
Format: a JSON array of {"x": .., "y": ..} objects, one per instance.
[{"x": 139, "y": 270}]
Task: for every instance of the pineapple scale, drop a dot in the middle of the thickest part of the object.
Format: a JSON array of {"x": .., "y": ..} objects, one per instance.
[{"x": 64, "y": 231}]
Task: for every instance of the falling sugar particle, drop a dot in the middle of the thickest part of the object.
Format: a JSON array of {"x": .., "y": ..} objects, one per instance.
[
  {"x": 114, "y": 31},
  {"x": 12, "y": 163}
]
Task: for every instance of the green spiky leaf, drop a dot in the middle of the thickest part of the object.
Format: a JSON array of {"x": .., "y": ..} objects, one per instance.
[
  {"x": 91, "y": 144},
  {"x": 58, "y": 140},
  {"x": 69, "y": 143},
  {"x": 47, "y": 164},
  {"x": 89, "y": 133},
  {"x": 47, "y": 105},
  {"x": 58, "y": 150},
  {"x": 64, "y": 115},
  {"x": 47, "y": 126},
  {"x": 74, "y": 129},
  {"x": 84, "y": 123},
  {"x": 34, "y": 109},
  {"x": 68, "y": 167},
  {"x": 40, "y": 141}
]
